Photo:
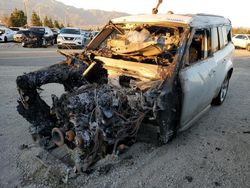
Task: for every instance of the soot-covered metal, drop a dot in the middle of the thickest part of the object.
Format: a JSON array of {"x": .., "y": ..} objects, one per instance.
[{"x": 109, "y": 92}]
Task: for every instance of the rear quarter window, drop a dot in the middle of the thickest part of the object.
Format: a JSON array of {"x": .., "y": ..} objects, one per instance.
[
  {"x": 221, "y": 39},
  {"x": 214, "y": 39},
  {"x": 227, "y": 35}
]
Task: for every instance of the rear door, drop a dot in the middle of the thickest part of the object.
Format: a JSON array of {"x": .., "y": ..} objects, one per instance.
[
  {"x": 198, "y": 76},
  {"x": 222, "y": 49}
]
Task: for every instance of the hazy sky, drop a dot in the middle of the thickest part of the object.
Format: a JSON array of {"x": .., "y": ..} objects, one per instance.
[{"x": 238, "y": 11}]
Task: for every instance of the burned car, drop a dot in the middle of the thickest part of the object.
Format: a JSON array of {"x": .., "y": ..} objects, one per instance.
[
  {"x": 165, "y": 70},
  {"x": 38, "y": 37}
]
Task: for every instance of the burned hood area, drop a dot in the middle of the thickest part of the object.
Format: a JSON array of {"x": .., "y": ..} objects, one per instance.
[{"x": 127, "y": 76}]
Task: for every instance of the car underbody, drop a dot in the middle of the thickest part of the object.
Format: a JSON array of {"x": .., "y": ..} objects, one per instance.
[{"x": 111, "y": 89}]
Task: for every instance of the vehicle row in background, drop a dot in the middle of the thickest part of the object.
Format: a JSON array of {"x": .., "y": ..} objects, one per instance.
[{"x": 39, "y": 36}]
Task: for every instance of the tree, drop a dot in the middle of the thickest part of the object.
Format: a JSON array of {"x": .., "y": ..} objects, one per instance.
[
  {"x": 56, "y": 24},
  {"x": 46, "y": 21},
  {"x": 241, "y": 30},
  {"x": 18, "y": 18},
  {"x": 61, "y": 26},
  {"x": 35, "y": 19},
  {"x": 51, "y": 25}
]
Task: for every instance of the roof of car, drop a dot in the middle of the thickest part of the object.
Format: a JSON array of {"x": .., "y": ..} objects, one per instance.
[
  {"x": 3, "y": 27},
  {"x": 71, "y": 28},
  {"x": 193, "y": 20},
  {"x": 38, "y": 27}
]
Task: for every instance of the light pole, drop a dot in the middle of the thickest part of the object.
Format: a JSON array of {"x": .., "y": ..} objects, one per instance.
[{"x": 26, "y": 7}]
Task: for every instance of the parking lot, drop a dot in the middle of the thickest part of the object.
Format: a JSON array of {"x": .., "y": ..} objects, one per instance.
[{"x": 215, "y": 152}]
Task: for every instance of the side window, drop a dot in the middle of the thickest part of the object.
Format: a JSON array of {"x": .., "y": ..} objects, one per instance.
[
  {"x": 245, "y": 37},
  {"x": 215, "y": 39},
  {"x": 229, "y": 33},
  {"x": 200, "y": 47},
  {"x": 222, "y": 44},
  {"x": 239, "y": 37},
  {"x": 225, "y": 35}
]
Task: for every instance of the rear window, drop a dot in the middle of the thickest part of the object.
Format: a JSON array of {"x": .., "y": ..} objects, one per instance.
[
  {"x": 2, "y": 31},
  {"x": 70, "y": 31},
  {"x": 21, "y": 32},
  {"x": 14, "y": 29},
  {"x": 38, "y": 29}
]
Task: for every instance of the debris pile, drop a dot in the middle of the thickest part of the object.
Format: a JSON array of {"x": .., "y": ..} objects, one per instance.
[{"x": 93, "y": 117}]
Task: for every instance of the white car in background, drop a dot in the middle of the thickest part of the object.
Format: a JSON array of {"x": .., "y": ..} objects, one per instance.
[
  {"x": 6, "y": 34},
  {"x": 15, "y": 29},
  {"x": 242, "y": 41},
  {"x": 70, "y": 38}
]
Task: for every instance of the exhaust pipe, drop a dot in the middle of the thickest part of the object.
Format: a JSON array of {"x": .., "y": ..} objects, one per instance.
[{"x": 58, "y": 136}]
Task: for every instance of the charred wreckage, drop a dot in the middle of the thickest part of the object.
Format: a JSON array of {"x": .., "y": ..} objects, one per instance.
[{"x": 126, "y": 76}]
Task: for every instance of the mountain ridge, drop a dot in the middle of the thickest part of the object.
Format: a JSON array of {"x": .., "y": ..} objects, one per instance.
[{"x": 63, "y": 13}]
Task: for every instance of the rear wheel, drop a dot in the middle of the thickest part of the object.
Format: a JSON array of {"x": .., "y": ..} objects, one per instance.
[
  {"x": 223, "y": 92},
  {"x": 52, "y": 42},
  {"x": 45, "y": 43},
  {"x": 23, "y": 44}
]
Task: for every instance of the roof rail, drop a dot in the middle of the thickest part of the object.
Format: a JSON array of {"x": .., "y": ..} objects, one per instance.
[{"x": 203, "y": 14}]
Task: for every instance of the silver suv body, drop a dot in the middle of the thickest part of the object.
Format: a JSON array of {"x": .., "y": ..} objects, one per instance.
[{"x": 163, "y": 70}]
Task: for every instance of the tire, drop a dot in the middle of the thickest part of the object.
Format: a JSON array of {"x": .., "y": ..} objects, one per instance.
[
  {"x": 248, "y": 47},
  {"x": 5, "y": 39},
  {"x": 168, "y": 120},
  {"x": 23, "y": 44},
  {"x": 52, "y": 42},
  {"x": 223, "y": 92},
  {"x": 166, "y": 134},
  {"x": 45, "y": 43}
]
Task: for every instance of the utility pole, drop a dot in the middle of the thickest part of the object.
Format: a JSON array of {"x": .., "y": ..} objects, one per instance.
[
  {"x": 26, "y": 9},
  {"x": 39, "y": 12}
]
